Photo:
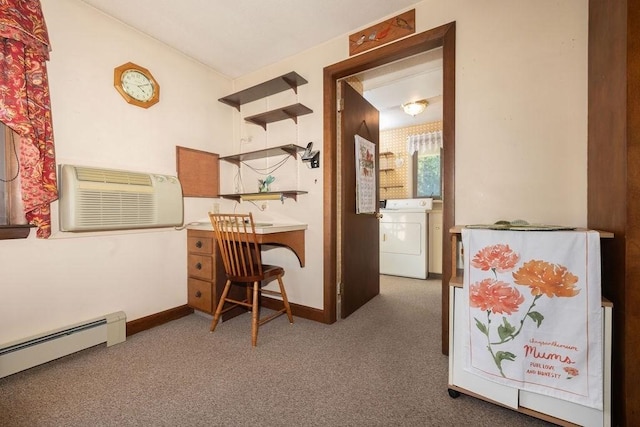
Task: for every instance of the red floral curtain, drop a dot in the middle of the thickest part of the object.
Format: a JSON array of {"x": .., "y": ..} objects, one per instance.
[{"x": 25, "y": 105}]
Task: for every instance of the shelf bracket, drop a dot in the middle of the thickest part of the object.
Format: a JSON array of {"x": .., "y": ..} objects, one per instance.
[
  {"x": 235, "y": 162},
  {"x": 234, "y": 104},
  {"x": 292, "y": 115},
  {"x": 292, "y": 151},
  {"x": 262, "y": 124},
  {"x": 292, "y": 84}
]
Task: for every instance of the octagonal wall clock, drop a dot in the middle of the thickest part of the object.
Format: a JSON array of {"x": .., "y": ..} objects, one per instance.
[{"x": 136, "y": 85}]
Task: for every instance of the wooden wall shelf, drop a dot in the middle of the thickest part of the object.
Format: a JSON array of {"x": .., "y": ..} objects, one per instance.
[
  {"x": 15, "y": 231},
  {"x": 290, "y": 149},
  {"x": 385, "y": 155},
  {"x": 290, "y": 112},
  {"x": 279, "y": 84},
  {"x": 285, "y": 194},
  {"x": 287, "y": 81}
]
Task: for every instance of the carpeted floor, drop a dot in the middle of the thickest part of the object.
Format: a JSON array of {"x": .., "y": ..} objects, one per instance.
[{"x": 382, "y": 366}]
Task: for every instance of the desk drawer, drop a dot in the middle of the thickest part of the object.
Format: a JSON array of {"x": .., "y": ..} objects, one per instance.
[
  {"x": 199, "y": 295},
  {"x": 201, "y": 245},
  {"x": 200, "y": 266}
]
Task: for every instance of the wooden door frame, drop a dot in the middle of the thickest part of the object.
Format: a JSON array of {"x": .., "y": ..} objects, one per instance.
[{"x": 443, "y": 36}]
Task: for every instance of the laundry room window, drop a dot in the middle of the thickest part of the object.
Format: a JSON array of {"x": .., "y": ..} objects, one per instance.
[{"x": 427, "y": 176}]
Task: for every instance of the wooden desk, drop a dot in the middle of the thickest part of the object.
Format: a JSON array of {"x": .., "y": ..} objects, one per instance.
[
  {"x": 293, "y": 240},
  {"x": 206, "y": 276},
  {"x": 279, "y": 234}
]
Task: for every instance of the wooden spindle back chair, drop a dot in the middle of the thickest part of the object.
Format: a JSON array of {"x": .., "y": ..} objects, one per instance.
[{"x": 240, "y": 253}]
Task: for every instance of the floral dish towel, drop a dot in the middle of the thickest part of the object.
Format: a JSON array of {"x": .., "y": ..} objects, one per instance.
[{"x": 534, "y": 311}]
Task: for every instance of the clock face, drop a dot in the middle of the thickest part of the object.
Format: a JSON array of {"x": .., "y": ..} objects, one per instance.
[{"x": 137, "y": 85}]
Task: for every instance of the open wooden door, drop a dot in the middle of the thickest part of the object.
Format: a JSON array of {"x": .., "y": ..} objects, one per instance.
[{"x": 360, "y": 258}]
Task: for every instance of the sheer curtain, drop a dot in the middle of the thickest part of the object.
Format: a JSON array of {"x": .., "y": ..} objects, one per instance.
[
  {"x": 25, "y": 105},
  {"x": 424, "y": 142}
]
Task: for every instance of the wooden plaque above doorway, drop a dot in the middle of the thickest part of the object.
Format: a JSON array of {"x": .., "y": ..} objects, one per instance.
[{"x": 380, "y": 34}]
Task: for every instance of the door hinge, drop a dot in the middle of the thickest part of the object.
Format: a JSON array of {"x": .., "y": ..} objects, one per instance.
[{"x": 340, "y": 105}]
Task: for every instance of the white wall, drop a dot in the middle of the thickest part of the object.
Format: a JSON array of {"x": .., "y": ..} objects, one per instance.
[
  {"x": 46, "y": 284},
  {"x": 521, "y": 123},
  {"x": 521, "y": 110},
  {"x": 521, "y": 118}
]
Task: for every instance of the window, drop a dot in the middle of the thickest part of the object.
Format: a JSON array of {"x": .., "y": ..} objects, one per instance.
[
  {"x": 11, "y": 212},
  {"x": 4, "y": 185},
  {"x": 427, "y": 174}
]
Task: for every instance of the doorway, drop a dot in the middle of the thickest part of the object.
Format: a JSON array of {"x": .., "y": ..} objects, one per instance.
[{"x": 444, "y": 37}]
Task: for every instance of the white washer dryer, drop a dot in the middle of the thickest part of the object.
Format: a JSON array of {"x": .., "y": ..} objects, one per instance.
[{"x": 404, "y": 240}]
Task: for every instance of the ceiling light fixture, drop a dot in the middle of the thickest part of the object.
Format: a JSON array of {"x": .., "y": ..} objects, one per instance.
[{"x": 414, "y": 108}]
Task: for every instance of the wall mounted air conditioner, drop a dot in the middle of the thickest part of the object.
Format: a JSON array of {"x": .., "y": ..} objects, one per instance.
[{"x": 94, "y": 199}]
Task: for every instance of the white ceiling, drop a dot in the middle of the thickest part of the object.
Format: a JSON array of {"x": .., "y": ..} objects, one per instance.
[
  {"x": 237, "y": 37},
  {"x": 411, "y": 79}
]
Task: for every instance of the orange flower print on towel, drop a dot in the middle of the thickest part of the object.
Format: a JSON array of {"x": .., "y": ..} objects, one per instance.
[
  {"x": 495, "y": 296},
  {"x": 497, "y": 258},
  {"x": 571, "y": 372},
  {"x": 547, "y": 279}
]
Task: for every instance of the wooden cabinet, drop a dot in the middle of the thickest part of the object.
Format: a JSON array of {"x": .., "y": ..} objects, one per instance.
[
  {"x": 206, "y": 277},
  {"x": 201, "y": 265}
]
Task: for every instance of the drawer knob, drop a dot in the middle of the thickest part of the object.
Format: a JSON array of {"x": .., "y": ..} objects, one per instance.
[
  {"x": 198, "y": 244},
  {"x": 198, "y": 294},
  {"x": 199, "y": 266}
]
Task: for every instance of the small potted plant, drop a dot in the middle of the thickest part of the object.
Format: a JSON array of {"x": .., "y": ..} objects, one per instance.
[{"x": 264, "y": 184}]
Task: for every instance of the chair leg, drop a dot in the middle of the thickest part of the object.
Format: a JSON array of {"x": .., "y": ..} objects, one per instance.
[
  {"x": 216, "y": 315},
  {"x": 284, "y": 299},
  {"x": 255, "y": 314}
]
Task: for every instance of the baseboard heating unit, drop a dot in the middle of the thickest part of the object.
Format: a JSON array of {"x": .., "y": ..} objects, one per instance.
[{"x": 23, "y": 354}]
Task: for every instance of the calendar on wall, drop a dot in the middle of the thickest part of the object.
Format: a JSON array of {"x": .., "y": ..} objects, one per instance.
[{"x": 365, "y": 175}]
